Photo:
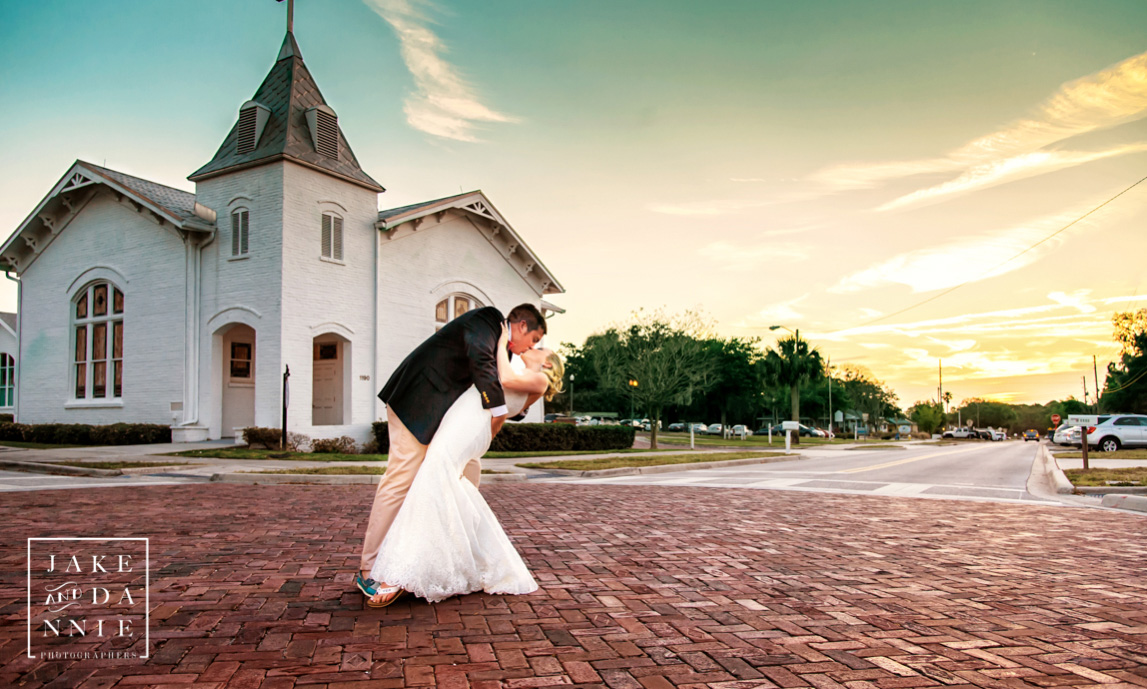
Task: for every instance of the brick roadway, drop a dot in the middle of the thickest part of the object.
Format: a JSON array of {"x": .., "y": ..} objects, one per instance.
[{"x": 641, "y": 587}]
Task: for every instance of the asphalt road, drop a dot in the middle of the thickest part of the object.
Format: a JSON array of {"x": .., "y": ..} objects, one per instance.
[{"x": 973, "y": 470}]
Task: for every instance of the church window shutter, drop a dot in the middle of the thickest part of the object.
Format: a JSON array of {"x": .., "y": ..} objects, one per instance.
[
  {"x": 326, "y": 238},
  {"x": 332, "y": 237},
  {"x": 239, "y": 232}
]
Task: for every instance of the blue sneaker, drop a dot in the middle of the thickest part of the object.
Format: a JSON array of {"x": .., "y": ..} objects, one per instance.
[{"x": 370, "y": 589}]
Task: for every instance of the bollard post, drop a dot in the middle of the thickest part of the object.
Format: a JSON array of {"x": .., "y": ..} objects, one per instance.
[{"x": 788, "y": 441}]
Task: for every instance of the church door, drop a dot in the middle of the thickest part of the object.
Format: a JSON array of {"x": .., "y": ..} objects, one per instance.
[
  {"x": 327, "y": 389},
  {"x": 238, "y": 380}
]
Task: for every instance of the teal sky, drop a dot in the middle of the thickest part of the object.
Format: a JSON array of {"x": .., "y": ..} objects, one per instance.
[{"x": 817, "y": 165}]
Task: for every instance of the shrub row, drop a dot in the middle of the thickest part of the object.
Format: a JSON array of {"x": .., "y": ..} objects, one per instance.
[
  {"x": 551, "y": 437},
  {"x": 542, "y": 437},
  {"x": 86, "y": 434}
]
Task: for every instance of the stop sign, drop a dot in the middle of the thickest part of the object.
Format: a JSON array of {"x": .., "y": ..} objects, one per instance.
[{"x": 1055, "y": 419}]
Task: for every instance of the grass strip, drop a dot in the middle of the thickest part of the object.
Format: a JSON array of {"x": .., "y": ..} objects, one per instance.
[
  {"x": 118, "y": 465},
  {"x": 646, "y": 461},
  {"x": 343, "y": 471},
  {"x": 246, "y": 453},
  {"x": 1129, "y": 476},
  {"x": 885, "y": 446},
  {"x": 36, "y": 446},
  {"x": 565, "y": 453},
  {"x": 1095, "y": 454}
]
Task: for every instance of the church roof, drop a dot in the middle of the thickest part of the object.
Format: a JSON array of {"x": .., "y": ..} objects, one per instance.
[
  {"x": 287, "y": 92},
  {"x": 162, "y": 204},
  {"x": 177, "y": 202}
]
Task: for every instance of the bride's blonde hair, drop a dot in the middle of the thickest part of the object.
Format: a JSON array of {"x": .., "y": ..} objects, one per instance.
[{"x": 556, "y": 374}]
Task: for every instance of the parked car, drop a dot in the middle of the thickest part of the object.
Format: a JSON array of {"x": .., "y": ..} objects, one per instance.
[
  {"x": 779, "y": 429},
  {"x": 676, "y": 427},
  {"x": 959, "y": 433},
  {"x": 1116, "y": 431},
  {"x": 647, "y": 426},
  {"x": 700, "y": 429},
  {"x": 1060, "y": 437},
  {"x": 1031, "y": 434},
  {"x": 715, "y": 429},
  {"x": 740, "y": 430}
]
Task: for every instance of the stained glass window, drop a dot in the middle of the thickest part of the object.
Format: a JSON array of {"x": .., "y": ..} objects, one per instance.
[{"x": 98, "y": 342}]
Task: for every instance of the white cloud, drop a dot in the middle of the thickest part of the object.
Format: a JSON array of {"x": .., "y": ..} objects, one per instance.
[
  {"x": 742, "y": 257},
  {"x": 965, "y": 259},
  {"x": 1108, "y": 98},
  {"x": 443, "y": 104}
]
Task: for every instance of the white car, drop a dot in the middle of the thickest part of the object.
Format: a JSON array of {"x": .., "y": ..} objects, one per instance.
[
  {"x": 715, "y": 429},
  {"x": 739, "y": 429},
  {"x": 1061, "y": 435},
  {"x": 959, "y": 433},
  {"x": 700, "y": 429},
  {"x": 1118, "y": 430}
]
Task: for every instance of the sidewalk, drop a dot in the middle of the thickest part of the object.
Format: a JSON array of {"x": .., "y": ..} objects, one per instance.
[{"x": 641, "y": 587}]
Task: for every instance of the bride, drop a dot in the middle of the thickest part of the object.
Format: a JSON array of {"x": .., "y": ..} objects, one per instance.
[{"x": 446, "y": 540}]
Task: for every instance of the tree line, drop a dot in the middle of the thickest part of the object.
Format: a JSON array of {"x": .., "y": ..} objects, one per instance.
[{"x": 674, "y": 368}]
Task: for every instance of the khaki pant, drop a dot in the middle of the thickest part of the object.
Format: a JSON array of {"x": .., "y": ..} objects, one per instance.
[{"x": 405, "y": 457}]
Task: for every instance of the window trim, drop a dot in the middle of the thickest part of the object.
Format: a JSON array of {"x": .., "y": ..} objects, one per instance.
[
  {"x": 337, "y": 237},
  {"x": 451, "y": 314},
  {"x": 241, "y": 241},
  {"x": 8, "y": 388},
  {"x": 89, "y": 322}
]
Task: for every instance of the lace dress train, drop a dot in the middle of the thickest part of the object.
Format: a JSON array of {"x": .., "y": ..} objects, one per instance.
[{"x": 446, "y": 540}]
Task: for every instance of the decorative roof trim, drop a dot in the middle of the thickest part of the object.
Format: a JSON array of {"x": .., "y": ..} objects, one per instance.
[
  {"x": 484, "y": 217},
  {"x": 46, "y": 222},
  {"x": 283, "y": 156}
]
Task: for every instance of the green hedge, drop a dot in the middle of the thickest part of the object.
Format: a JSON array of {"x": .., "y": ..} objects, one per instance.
[
  {"x": 551, "y": 437},
  {"x": 542, "y": 437},
  {"x": 85, "y": 434}
]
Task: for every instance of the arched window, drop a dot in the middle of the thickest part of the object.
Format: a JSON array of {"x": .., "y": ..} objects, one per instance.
[
  {"x": 452, "y": 307},
  {"x": 239, "y": 228},
  {"x": 332, "y": 236},
  {"x": 98, "y": 342},
  {"x": 7, "y": 380}
]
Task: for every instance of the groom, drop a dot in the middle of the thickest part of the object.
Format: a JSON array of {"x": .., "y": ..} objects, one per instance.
[{"x": 418, "y": 395}]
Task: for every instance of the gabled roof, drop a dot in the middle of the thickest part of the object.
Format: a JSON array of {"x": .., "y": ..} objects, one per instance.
[
  {"x": 488, "y": 220},
  {"x": 163, "y": 204},
  {"x": 287, "y": 92}
]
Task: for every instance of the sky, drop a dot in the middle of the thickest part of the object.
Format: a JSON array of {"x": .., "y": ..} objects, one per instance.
[{"x": 902, "y": 182}]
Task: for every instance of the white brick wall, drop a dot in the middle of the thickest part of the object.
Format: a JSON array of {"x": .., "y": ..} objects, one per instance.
[
  {"x": 444, "y": 256},
  {"x": 151, "y": 258}
]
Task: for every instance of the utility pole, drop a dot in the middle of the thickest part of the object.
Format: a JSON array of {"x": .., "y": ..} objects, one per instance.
[
  {"x": 1084, "y": 379},
  {"x": 1095, "y": 372}
]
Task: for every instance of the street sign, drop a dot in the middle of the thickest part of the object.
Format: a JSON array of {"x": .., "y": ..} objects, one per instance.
[
  {"x": 1055, "y": 419},
  {"x": 1083, "y": 419},
  {"x": 791, "y": 425},
  {"x": 839, "y": 416}
]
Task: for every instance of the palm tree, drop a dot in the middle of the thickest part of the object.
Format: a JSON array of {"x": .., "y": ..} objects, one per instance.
[{"x": 792, "y": 363}]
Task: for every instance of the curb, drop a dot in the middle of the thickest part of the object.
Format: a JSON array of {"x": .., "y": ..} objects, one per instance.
[
  {"x": 55, "y": 468},
  {"x": 334, "y": 479},
  {"x": 1136, "y": 503},
  {"x": 667, "y": 468},
  {"x": 1112, "y": 490},
  {"x": 1054, "y": 474}
]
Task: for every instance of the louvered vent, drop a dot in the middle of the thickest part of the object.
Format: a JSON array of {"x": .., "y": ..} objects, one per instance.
[
  {"x": 252, "y": 119},
  {"x": 324, "y": 126},
  {"x": 332, "y": 237}
]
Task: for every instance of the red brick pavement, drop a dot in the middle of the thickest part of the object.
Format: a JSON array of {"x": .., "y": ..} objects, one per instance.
[{"x": 642, "y": 588}]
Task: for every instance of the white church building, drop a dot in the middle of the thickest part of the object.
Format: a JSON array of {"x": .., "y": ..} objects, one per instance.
[{"x": 142, "y": 303}]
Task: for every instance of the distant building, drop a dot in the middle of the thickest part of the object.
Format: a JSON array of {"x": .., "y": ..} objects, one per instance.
[{"x": 144, "y": 303}]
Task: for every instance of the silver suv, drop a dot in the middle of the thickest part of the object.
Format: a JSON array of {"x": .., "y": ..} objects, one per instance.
[{"x": 1118, "y": 430}]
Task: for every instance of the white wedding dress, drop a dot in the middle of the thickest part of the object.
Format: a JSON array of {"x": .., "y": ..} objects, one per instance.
[{"x": 446, "y": 540}]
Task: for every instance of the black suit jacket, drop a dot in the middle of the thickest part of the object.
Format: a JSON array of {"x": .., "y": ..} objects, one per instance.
[{"x": 438, "y": 371}]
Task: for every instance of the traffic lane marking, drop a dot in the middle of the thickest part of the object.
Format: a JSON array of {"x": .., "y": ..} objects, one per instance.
[{"x": 907, "y": 460}]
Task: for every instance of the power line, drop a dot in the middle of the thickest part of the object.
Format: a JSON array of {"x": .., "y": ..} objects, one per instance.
[{"x": 948, "y": 291}]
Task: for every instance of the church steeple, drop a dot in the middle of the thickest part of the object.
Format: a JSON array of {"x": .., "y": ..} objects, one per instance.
[{"x": 287, "y": 119}]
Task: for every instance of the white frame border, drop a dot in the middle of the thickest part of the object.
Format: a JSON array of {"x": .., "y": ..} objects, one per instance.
[{"x": 146, "y": 583}]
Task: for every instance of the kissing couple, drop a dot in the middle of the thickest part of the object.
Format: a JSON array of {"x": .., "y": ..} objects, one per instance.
[{"x": 430, "y": 531}]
